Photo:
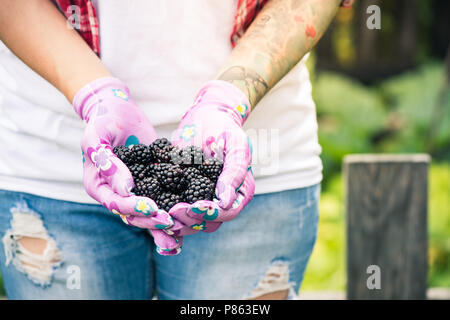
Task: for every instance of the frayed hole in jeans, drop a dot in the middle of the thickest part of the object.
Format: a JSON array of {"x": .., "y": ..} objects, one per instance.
[
  {"x": 29, "y": 247},
  {"x": 275, "y": 284}
]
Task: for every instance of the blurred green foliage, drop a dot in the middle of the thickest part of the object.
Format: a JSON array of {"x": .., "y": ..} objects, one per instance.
[
  {"x": 349, "y": 114},
  {"x": 420, "y": 104},
  {"x": 439, "y": 226},
  {"x": 408, "y": 113}
]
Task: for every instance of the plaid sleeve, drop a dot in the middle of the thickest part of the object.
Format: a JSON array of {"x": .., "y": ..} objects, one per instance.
[
  {"x": 82, "y": 16},
  {"x": 246, "y": 13}
]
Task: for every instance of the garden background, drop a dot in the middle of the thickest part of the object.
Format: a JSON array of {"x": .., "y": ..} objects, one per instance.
[{"x": 382, "y": 91}]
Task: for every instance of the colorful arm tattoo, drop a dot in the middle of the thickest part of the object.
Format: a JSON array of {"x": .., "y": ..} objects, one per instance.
[{"x": 282, "y": 33}]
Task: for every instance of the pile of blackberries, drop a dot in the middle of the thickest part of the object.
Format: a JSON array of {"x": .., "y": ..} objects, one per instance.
[{"x": 170, "y": 175}]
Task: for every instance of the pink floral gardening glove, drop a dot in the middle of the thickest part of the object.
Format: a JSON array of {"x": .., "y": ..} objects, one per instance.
[
  {"x": 214, "y": 123},
  {"x": 113, "y": 119}
]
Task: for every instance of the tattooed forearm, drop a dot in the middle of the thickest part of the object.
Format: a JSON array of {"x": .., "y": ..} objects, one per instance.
[
  {"x": 251, "y": 83},
  {"x": 282, "y": 33}
]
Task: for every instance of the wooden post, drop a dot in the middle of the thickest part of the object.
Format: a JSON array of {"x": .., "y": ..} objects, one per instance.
[{"x": 386, "y": 212}]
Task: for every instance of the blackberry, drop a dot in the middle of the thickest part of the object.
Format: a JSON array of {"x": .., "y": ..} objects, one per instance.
[
  {"x": 192, "y": 173},
  {"x": 160, "y": 150},
  {"x": 176, "y": 156},
  {"x": 151, "y": 168},
  {"x": 167, "y": 200},
  {"x": 212, "y": 168},
  {"x": 171, "y": 176},
  {"x": 138, "y": 171},
  {"x": 199, "y": 188},
  {"x": 158, "y": 170},
  {"x": 141, "y": 153},
  {"x": 192, "y": 156},
  {"x": 125, "y": 154},
  {"x": 147, "y": 187}
]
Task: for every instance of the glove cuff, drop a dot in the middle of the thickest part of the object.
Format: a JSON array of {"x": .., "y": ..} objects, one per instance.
[
  {"x": 226, "y": 95},
  {"x": 93, "y": 93}
]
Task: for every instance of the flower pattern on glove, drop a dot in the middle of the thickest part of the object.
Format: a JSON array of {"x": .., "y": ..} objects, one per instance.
[
  {"x": 101, "y": 158},
  {"x": 120, "y": 94},
  {"x": 144, "y": 207},
  {"x": 188, "y": 132},
  {"x": 199, "y": 226},
  {"x": 114, "y": 208},
  {"x": 209, "y": 212},
  {"x": 242, "y": 110},
  {"x": 215, "y": 146}
]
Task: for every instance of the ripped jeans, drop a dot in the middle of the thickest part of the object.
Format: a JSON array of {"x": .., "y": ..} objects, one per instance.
[{"x": 85, "y": 252}]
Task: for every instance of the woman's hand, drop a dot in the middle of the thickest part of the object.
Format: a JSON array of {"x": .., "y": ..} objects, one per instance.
[
  {"x": 214, "y": 123},
  {"x": 113, "y": 119},
  {"x": 50, "y": 48}
]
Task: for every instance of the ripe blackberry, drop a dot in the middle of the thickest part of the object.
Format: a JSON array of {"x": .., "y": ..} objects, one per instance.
[
  {"x": 192, "y": 173},
  {"x": 167, "y": 200},
  {"x": 199, "y": 188},
  {"x": 212, "y": 168},
  {"x": 138, "y": 171},
  {"x": 147, "y": 187},
  {"x": 176, "y": 156},
  {"x": 125, "y": 154},
  {"x": 192, "y": 156},
  {"x": 160, "y": 150},
  {"x": 171, "y": 176},
  {"x": 141, "y": 153},
  {"x": 158, "y": 169}
]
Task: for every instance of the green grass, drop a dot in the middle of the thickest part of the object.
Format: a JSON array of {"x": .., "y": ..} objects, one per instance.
[
  {"x": 2, "y": 290},
  {"x": 439, "y": 226},
  {"x": 326, "y": 268}
]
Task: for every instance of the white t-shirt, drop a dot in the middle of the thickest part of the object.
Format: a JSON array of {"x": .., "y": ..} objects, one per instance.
[{"x": 164, "y": 51}]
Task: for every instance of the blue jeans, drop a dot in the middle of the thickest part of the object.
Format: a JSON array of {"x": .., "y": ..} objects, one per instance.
[{"x": 91, "y": 254}]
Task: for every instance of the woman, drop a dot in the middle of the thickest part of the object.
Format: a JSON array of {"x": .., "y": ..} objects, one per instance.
[{"x": 60, "y": 243}]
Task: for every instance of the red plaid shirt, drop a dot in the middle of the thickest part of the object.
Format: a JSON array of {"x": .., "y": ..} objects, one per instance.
[{"x": 81, "y": 14}]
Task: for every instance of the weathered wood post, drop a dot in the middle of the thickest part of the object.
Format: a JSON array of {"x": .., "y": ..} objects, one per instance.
[{"x": 386, "y": 213}]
